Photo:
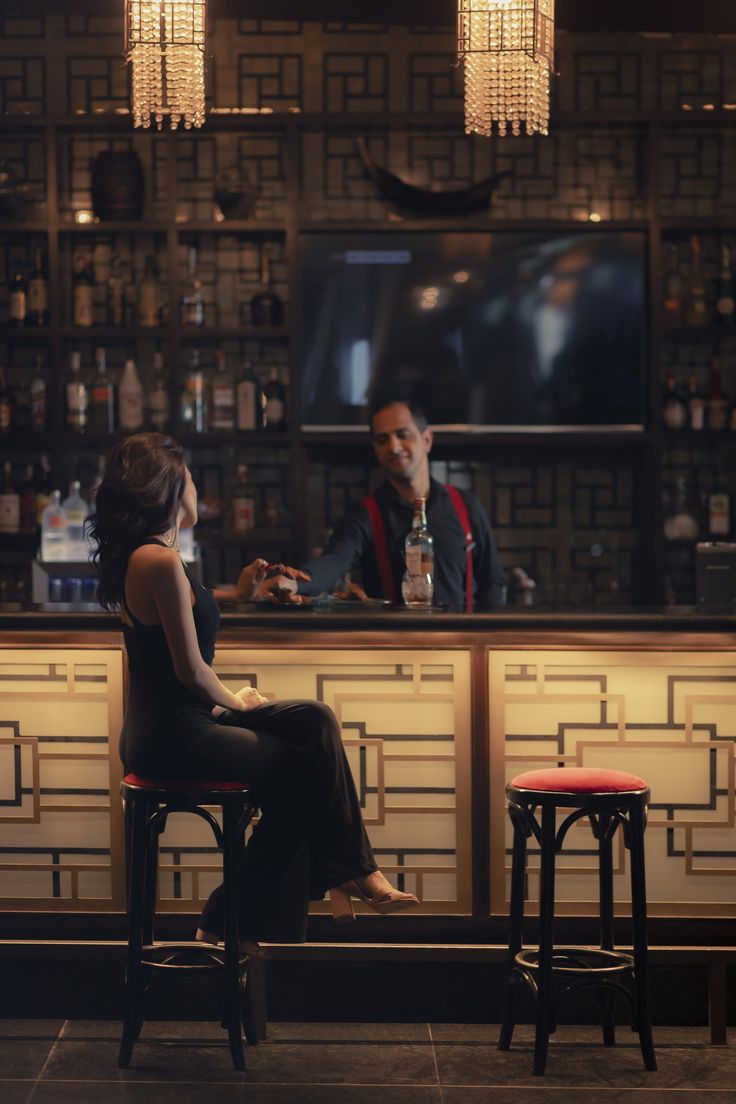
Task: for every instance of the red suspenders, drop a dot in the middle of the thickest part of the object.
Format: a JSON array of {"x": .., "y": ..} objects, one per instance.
[{"x": 384, "y": 564}]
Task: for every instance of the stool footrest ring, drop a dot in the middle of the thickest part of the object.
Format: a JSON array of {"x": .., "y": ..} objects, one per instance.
[{"x": 579, "y": 960}]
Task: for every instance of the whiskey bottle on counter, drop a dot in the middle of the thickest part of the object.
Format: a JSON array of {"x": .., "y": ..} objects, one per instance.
[
  {"x": 725, "y": 291},
  {"x": 102, "y": 397},
  {"x": 248, "y": 407},
  {"x": 674, "y": 412},
  {"x": 192, "y": 300},
  {"x": 76, "y": 396},
  {"x": 38, "y": 394},
  {"x": 274, "y": 403},
  {"x": 7, "y": 404},
  {"x": 718, "y": 405},
  {"x": 158, "y": 400},
  {"x": 223, "y": 396},
  {"x": 115, "y": 294},
  {"x": 417, "y": 587},
  {"x": 38, "y": 292},
  {"x": 17, "y": 300},
  {"x": 695, "y": 404},
  {"x": 83, "y": 293},
  {"x": 696, "y": 309},
  {"x": 148, "y": 296},
  {"x": 266, "y": 308}
]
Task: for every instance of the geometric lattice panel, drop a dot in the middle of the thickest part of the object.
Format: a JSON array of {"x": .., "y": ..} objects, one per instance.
[
  {"x": 669, "y": 717},
  {"x": 60, "y": 834},
  {"x": 405, "y": 721}
]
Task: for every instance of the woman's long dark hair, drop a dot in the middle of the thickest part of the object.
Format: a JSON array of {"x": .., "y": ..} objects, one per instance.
[{"x": 138, "y": 498}]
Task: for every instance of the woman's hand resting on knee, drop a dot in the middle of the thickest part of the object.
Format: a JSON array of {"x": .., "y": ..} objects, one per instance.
[{"x": 249, "y": 698}]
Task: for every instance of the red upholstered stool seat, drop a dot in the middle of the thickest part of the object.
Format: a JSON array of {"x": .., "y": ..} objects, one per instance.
[
  {"x": 582, "y": 780},
  {"x": 180, "y": 786}
]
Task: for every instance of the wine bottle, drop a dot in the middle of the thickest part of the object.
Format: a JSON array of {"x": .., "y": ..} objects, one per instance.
[
  {"x": 725, "y": 292},
  {"x": 194, "y": 397},
  {"x": 102, "y": 397},
  {"x": 696, "y": 313},
  {"x": 674, "y": 413},
  {"x": 7, "y": 404},
  {"x": 148, "y": 294},
  {"x": 17, "y": 300},
  {"x": 223, "y": 396},
  {"x": 39, "y": 405},
  {"x": 192, "y": 300},
  {"x": 266, "y": 308},
  {"x": 719, "y": 512},
  {"x": 695, "y": 404},
  {"x": 83, "y": 293},
  {"x": 76, "y": 396},
  {"x": 38, "y": 292},
  {"x": 274, "y": 403},
  {"x": 130, "y": 399},
  {"x": 158, "y": 400},
  {"x": 115, "y": 294},
  {"x": 249, "y": 410}
]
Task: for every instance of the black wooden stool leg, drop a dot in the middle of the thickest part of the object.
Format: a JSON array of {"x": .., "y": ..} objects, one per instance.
[
  {"x": 134, "y": 971},
  {"x": 233, "y": 990},
  {"x": 639, "y": 919},
  {"x": 546, "y": 936},
  {"x": 605, "y": 883},
  {"x": 516, "y": 927},
  {"x": 151, "y": 879}
]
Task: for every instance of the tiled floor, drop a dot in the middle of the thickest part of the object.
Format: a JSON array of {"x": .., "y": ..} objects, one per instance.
[{"x": 74, "y": 1062}]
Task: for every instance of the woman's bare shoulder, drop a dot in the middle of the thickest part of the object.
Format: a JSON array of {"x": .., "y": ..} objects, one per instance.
[{"x": 155, "y": 558}]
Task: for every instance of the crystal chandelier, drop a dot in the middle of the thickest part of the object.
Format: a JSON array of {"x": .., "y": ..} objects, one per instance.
[
  {"x": 165, "y": 45},
  {"x": 508, "y": 49}
]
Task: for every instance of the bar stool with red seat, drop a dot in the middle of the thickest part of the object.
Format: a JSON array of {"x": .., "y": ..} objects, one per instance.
[
  {"x": 147, "y": 806},
  {"x": 609, "y": 799}
]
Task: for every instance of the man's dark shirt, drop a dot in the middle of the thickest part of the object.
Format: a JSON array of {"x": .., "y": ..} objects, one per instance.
[{"x": 352, "y": 541}]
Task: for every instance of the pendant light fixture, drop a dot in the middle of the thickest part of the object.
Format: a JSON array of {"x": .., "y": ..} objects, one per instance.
[
  {"x": 165, "y": 47},
  {"x": 508, "y": 50}
]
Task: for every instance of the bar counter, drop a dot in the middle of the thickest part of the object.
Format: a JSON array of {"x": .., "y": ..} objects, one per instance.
[{"x": 436, "y": 711}]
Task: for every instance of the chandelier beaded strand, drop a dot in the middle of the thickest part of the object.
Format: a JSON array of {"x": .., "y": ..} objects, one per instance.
[
  {"x": 508, "y": 49},
  {"x": 165, "y": 47}
]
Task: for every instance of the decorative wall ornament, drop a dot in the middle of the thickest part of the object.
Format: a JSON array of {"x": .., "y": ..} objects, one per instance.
[
  {"x": 508, "y": 50},
  {"x": 165, "y": 44}
]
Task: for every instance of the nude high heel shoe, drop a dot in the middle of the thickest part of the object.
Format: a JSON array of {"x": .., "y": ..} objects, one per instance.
[
  {"x": 392, "y": 900},
  {"x": 342, "y": 907}
]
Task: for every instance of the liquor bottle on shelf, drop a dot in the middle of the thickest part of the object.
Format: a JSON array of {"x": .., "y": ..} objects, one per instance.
[
  {"x": 148, "y": 294},
  {"x": 681, "y": 521},
  {"x": 158, "y": 400},
  {"x": 76, "y": 510},
  {"x": 9, "y": 502},
  {"x": 101, "y": 409},
  {"x": 53, "y": 530},
  {"x": 717, "y": 402},
  {"x": 274, "y": 403},
  {"x": 695, "y": 403},
  {"x": 244, "y": 506},
  {"x": 194, "y": 397},
  {"x": 7, "y": 403},
  {"x": 248, "y": 407},
  {"x": 43, "y": 488},
  {"x": 192, "y": 300},
  {"x": 674, "y": 412},
  {"x": 725, "y": 290},
  {"x": 130, "y": 399},
  {"x": 39, "y": 397},
  {"x": 76, "y": 396},
  {"x": 28, "y": 511},
  {"x": 83, "y": 293},
  {"x": 223, "y": 396},
  {"x": 696, "y": 304},
  {"x": 266, "y": 308},
  {"x": 38, "y": 292},
  {"x": 417, "y": 587},
  {"x": 673, "y": 288},
  {"x": 115, "y": 294},
  {"x": 18, "y": 299},
  {"x": 719, "y": 511}
]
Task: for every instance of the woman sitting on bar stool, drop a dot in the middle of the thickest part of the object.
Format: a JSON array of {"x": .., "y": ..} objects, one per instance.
[{"x": 181, "y": 723}]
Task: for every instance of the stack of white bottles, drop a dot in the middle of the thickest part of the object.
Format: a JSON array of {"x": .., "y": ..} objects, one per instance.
[{"x": 62, "y": 528}]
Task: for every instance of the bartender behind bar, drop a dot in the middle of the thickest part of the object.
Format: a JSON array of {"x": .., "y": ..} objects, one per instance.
[{"x": 467, "y": 569}]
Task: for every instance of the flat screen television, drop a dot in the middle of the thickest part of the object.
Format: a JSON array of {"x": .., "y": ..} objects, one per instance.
[{"x": 510, "y": 330}]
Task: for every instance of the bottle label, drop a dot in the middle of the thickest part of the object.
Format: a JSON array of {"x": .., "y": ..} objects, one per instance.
[
  {"x": 718, "y": 413},
  {"x": 413, "y": 557},
  {"x": 725, "y": 305},
  {"x": 148, "y": 307},
  {"x": 247, "y": 405},
  {"x": 697, "y": 414},
  {"x": 274, "y": 411},
  {"x": 244, "y": 514},
  {"x": 38, "y": 299},
  {"x": 6, "y": 415},
  {"x": 674, "y": 414},
  {"x": 9, "y": 513},
  {"x": 17, "y": 306},
  {"x": 719, "y": 514},
  {"x": 83, "y": 306},
  {"x": 131, "y": 410},
  {"x": 158, "y": 404}
]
